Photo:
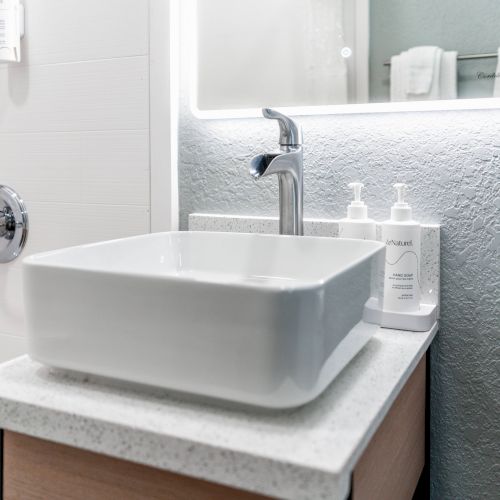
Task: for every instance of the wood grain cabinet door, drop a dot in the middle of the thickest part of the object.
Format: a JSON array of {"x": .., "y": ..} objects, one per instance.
[
  {"x": 34, "y": 469},
  {"x": 392, "y": 463}
]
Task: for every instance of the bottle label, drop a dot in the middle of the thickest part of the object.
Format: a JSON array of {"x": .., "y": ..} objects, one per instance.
[
  {"x": 401, "y": 280},
  {"x": 399, "y": 243},
  {"x": 4, "y": 38}
]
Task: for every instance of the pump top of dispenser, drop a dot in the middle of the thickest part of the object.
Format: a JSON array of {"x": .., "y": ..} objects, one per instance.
[
  {"x": 401, "y": 211},
  {"x": 357, "y": 209}
]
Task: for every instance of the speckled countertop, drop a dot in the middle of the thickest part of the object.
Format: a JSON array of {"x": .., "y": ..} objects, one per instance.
[{"x": 300, "y": 454}]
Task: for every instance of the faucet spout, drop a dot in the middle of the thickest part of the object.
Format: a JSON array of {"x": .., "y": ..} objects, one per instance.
[
  {"x": 259, "y": 165},
  {"x": 287, "y": 164}
]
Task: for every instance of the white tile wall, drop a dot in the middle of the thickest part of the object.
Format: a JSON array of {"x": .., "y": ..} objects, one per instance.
[
  {"x": 74, "y": 133},
  {"x": 74, "y": 30},
  {"x": 110, "y": 94}
]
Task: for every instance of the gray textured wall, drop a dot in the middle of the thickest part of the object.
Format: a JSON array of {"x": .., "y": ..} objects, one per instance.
[
  {"x": 469, "y": 26},
  {"x": 452, "y": 162}
]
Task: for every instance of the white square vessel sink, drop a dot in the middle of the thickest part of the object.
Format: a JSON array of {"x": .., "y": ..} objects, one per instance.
[{"x": 255, "y": 319}]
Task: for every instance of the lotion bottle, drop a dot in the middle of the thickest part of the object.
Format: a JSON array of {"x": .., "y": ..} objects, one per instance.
[
  {"x": 357, "y": 225},
  {"x": 401, "y": 234}
]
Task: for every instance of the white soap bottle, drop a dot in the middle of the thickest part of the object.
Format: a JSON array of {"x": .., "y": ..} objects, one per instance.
[
  {"x": 401, "y": 234},
  {"x": 357, "y": 225}
]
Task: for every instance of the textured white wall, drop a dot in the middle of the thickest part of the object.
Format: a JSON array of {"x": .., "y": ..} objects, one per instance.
[
  {"x": 74, "y": 133},
  {"x": 451, "y": 160}
]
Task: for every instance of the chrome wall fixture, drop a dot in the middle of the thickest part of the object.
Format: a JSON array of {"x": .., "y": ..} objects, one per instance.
[{"x": 13, "y": 225}]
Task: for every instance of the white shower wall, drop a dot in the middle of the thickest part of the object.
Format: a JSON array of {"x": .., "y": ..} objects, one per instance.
[
  {"x": 74, "y": 133},
  {"x": 247, "y": 56}
]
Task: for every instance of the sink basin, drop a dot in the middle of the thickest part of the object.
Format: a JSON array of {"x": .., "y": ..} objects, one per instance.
[{"x": 256, "y": 319}]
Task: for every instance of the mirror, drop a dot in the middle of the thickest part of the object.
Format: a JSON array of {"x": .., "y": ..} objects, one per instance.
[{"x": 287, "y": 53}]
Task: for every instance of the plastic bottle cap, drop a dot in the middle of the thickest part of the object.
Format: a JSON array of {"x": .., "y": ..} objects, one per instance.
[
  {"x": 401, "y": 211},
  {"x": 357, "y": 209}
]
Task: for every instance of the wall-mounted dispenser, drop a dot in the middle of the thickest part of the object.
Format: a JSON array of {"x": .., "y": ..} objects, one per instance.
[{"x": 11, "y": 30}]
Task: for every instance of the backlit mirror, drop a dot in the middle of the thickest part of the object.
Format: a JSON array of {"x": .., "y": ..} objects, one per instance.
[{"x": 287, "y": 53}]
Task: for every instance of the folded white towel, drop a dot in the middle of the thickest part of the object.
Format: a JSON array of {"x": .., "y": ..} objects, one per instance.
[
  {"x": 408, "y": 85},
  {"x": 421, "y": 73},
  {"x": 398, "y": 77},
  {"x": 496, "y": 90},
  {"x": 448, "y": 76},
  {"x": 435, "y": 89}
]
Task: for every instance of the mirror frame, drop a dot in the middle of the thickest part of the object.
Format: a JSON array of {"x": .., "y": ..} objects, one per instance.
[{"x": 336, "y": 109}]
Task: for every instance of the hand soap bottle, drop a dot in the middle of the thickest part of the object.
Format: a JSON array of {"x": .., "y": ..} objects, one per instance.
[
  {"x": 401, "y": 234},
  {"x": 357, "y": 225}
]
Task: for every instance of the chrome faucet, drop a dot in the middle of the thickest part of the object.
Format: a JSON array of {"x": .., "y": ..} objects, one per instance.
[{"x": 287, "y": 164}]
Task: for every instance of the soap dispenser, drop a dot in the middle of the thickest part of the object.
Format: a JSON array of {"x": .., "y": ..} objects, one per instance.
[
  {"x": 357, "y": 225},
  {"x": 401, "y": 235},
  {"x": 11, "y": 30}
]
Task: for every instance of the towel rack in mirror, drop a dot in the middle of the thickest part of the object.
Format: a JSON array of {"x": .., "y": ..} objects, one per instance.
[{"x": 465, "y": 57}]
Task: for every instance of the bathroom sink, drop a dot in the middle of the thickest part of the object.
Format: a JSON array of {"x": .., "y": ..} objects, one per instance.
[{"x": 257, "y": 319}]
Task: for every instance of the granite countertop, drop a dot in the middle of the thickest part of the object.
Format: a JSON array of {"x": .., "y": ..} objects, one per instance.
[{"x": 298, "y": 454}]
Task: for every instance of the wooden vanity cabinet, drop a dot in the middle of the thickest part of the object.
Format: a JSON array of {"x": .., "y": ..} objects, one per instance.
[
  {"x": 389, "y": 469},
  {"x": 393, "y": 462}
]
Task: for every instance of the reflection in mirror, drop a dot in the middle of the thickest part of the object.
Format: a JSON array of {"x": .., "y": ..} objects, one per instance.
[
  {"x": 285, "y": 53},
  {"x": 428, "y": 50},
  {"x": 277, "y": 52}
]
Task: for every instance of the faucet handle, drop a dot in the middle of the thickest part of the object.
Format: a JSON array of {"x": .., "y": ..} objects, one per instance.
[{"x": 290, "y": 131}]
